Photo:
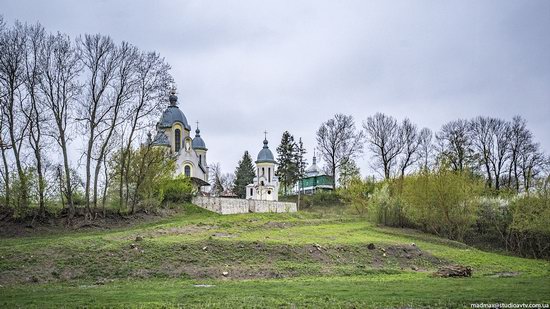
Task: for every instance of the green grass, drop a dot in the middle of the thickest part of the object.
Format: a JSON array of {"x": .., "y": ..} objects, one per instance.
[{"x": 307, "y": 259}]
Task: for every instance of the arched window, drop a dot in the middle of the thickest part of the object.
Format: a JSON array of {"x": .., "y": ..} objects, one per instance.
[
  {"x": 177, "y": 137},
  {"x": 263, "y": 171},
  {"x": 251, "y": 191},
  {"x": 269, "y": 174},
  {"x": 187, "y": 170}
]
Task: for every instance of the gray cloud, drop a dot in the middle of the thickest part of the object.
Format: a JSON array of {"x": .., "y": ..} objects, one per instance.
[{"x": 246, "y": 66}]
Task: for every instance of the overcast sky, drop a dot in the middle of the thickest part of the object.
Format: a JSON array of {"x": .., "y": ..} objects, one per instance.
[{"x": 243, "y": 67}]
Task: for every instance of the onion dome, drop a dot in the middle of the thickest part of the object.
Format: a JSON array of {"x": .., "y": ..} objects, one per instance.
[
  {"x": 173, "y": 114},
  {"x": 313, "y": 170},
  {"x": 265, "y": 155},
  {"x": 198, "y": 142}
]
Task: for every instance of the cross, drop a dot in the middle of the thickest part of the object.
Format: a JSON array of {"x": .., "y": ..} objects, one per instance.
[
  {"x": 173, "y": 89},
  {"x": 197, "y": 124},
  {"x": 265, "y": 134}
]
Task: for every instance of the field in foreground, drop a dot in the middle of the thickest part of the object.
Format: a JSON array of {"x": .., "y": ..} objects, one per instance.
[{"x": 201, "y": 259}]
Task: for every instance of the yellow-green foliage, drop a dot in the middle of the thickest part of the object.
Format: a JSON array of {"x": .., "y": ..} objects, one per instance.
[
  {"x": 357, "y": 194},
  {"x": 179, "y": 189},
  {"x": 442, "y": 201},
  {"x": 531, "y": 213}
]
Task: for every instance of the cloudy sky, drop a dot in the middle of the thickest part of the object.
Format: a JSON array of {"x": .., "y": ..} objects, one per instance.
[{"x": 243, "y": 67}]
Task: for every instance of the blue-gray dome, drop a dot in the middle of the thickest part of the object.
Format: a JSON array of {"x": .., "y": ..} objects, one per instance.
[
  {"x": 198, "y": 142},
  {"x": 161, "y": 140},
  {"x": 172, "y": 115},
  {"x": 265, "y": 155}
]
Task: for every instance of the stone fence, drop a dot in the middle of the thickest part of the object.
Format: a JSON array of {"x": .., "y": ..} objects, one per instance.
[{"x": 226, "y": 206}]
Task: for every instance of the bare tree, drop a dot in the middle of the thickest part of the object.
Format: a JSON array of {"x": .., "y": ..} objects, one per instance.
[
  {"x": 123, "y": 85},
  {"x": 384, "y": 138},
  {"x": 482, "y": 141},
  {"x": 411, "y": 144},
  {"x": 216, "y": 179},
  {"x": 4, "y": 146},
  {"x": 60, "y": 67},
  {"x": 455, "y": 144},
  {"x": 531, "y": 162},
  {"x": 33, "y": 109},
  {"x": 425, "y": 147},
  {"x": 519, "y": 136},
  {"x": 152, "y": 80},
  {"x": 12, "y": 58},
  {"x": 338, "y": 141},
  {"x": 100, "y": 59},
  {"x": 500, "y": 134}
]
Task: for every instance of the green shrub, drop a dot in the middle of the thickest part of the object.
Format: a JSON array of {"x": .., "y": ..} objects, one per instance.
[
  {"x": 530, "y": 226},
  {"x": 177, "y": 190},
  {"x": 386, "y": 205},
  {"x": 442, "y": 201},
  {"x": 357, "y": 194}
]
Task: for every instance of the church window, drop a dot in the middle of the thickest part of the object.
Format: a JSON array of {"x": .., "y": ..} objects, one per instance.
[
  {"x": 269, "y": 174},
  {"x": 200, "y": 158},
  {"x": 187, "y": 170},
  {"x": 269, "y": 192},
  {"x": 177, "y": 137},
  {"x": 263, "y": 171},
  {"x": 251, "y": 191},
  {"x": 262, "y": 183}
]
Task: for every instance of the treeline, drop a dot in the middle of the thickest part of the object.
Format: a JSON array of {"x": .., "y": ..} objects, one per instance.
[
  {"x": 504, "y": 152},
  {"x": 484, "y": 180},
  {"x": 87, "y": 98}
]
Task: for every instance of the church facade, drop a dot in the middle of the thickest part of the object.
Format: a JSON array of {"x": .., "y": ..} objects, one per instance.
[
  {"x": 265, "y": 185},
  {"x": 174, "y": 133}
]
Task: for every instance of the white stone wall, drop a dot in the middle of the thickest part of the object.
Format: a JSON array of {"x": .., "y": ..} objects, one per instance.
[{"x": 226, "y": 206}]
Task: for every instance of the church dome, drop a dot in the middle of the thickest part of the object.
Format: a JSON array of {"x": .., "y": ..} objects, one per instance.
[
  {"x": 173, "y": 114},
  {"x": 313, "y": 170},
  {"x": 265, "y": 155},
  {"x": 198, "y": 142}
]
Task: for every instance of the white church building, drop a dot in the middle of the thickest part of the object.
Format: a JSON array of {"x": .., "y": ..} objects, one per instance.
[
  {"x": 265, "y": 185},
  {"x": 174, "y": 132}
]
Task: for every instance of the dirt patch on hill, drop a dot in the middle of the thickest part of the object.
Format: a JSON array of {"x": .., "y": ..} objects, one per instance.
[
  {"x": 57, "y": 223},
  {"x": 214, "y": 258},
  {"x": 277, "y": 225}
]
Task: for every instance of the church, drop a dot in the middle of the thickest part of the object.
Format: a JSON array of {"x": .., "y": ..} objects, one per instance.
[
  {"x": 265, "y": 185},
  {"x": 174, "y": 133}
]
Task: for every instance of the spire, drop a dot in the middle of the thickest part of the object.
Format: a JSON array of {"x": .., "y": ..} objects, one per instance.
[
  {"x": 197, "y": 131},
  {"x": 265, "y": 139},
  {"x": 314, "y": 158}
]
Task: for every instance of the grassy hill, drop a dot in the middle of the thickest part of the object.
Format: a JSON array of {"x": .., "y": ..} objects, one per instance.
[{"x": 200, "y": 259}]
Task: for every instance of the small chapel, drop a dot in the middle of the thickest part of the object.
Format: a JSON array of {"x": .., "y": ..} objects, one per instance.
[
  {"x": 265, "y": 185},
  {"x": 174, "y": 133}
]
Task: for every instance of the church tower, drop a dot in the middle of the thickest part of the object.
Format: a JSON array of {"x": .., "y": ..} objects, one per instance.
[
  {"x": 265, "y": 185},
  {"x": 174, "y": 134}
]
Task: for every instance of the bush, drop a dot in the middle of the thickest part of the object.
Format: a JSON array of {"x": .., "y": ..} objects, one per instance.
[
  {"x": 177, "y": 190},
  {"x": 386, "y": 206},
  {"x": 493, "y": 221},
  {"x": 442, "y": 201},
  {"x": 357, "y": 194},
  {"x": 530, "y": 226}
]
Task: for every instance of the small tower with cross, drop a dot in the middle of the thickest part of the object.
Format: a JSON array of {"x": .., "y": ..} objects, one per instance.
[{"x": 265, "y": 185}]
